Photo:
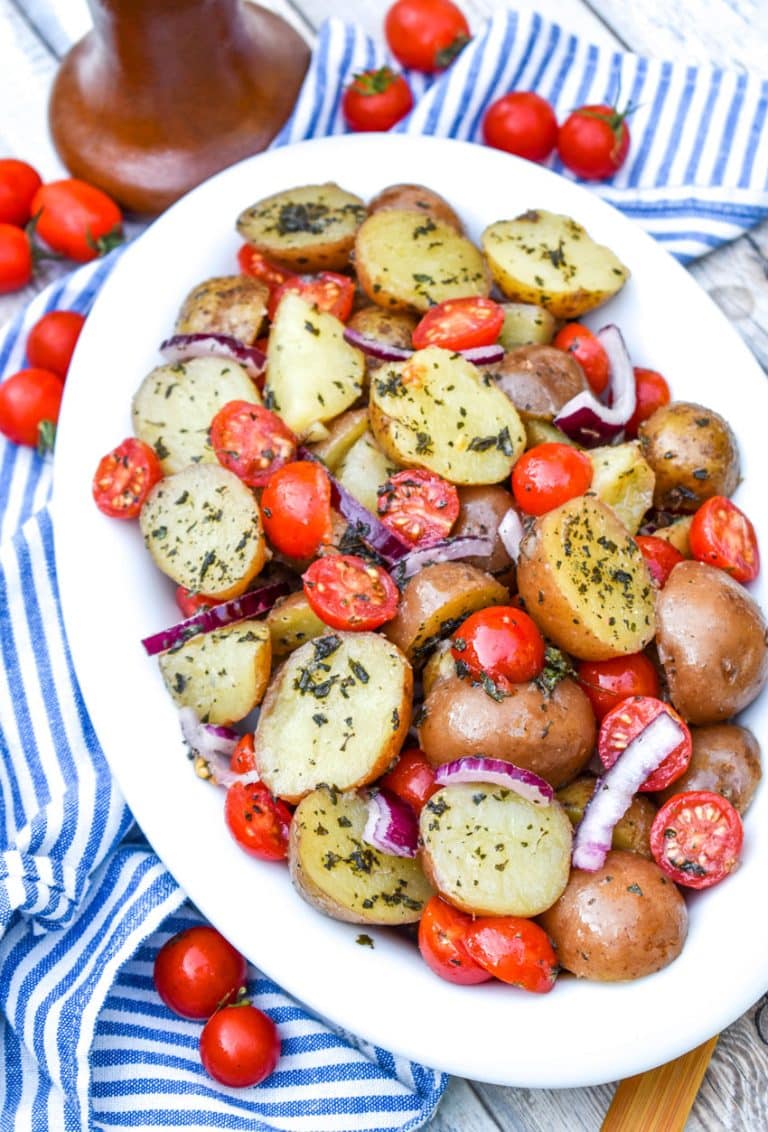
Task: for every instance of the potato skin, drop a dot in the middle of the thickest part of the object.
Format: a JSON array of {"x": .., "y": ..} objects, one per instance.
[
  {"x": 308, "y": 228},
  {"x": 712, "y": 643},
  {"x": 552, "y": 734},
  {"x": 416, "y": 198},
  {"x": 481, "y": 510},
  {"x": 726, "y": 759},
  {"x": 622, "y": 922},
  {"x": 631, "y": 832},
  {"x": 539, "y": 380},
  {"x": 693, "y": 453},
  {"x": 235, "y": 305}
]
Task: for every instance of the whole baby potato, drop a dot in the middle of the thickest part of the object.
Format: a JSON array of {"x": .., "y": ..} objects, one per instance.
[
  {"x": 711, "y": 640},
  {"x": 693, "y": 454},
  {"x": 725, "y": 759},
  {"x": 621, "y": 922},
  {"x": 539, "y": 380},
  {"x": 482, "y": 508},
  {"x": 631, "y": 832},
  {"x": 550, "y": 733}
]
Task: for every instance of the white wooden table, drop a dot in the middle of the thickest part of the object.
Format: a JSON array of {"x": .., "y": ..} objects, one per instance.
[{"x": 34, "y": 34}]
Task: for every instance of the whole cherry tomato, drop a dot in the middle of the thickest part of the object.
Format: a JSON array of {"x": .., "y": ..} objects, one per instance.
[
  {"x": 198, "y": 970},
  {"x": 418, "y": 505},
  {"x": 239, "y": 1046},
  {"x": 651, "y": 392},
  {"x": 660, "y": 557},
  {"x": 426, "y": 35},
  {"x": 499, "y": 643},
  {"x": 442, "y": 929},
  {"x": 522, "y": 123},
  {"x": 328, "y": 291},
  {"x": 18, "y": 184},
  {"x": 376, "y": 100},
  {"x": 51, "y": 341},
  {"x": 593, "y": 141},
  {"x": 15, "y": 258},
  {"x": 346, "y": 592},
  {"x": 696, "y": 838},
  {"x": 588, "y": 351},
  {"x": 607, "y": 682},
  {"x": 460, "y": 324},
  {"x": 29, "y": 407},
  {"x": 296, "y": 508},
  {"x": 515, "y": 950},
  {"x": 77, "y": 219},
  {"x": 412, "y": 779},
  {"x": 124, "y": 479},
  {"x": 622, "y": 723},
  {"x": 251, "y": 441},
  {"x": 550, "y": 474},
  {"x": 722, "y": 535},
  {"x": 259, "y": 823}
]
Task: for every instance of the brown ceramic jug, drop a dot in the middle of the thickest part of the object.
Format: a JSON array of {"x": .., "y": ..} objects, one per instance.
[{"x": 163, "y": 93}]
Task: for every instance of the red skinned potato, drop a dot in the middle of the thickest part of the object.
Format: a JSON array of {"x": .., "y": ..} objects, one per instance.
[
  {"x": 482, "y": 509},
  {"x": 539, "y": 380},
  {"x": 712, "y": 643},
  {"x": 726, "y": 760}
]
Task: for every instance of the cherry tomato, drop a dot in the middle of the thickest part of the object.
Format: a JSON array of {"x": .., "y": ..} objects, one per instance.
[
  {"x": 376, "y": 100},
  {"x": 660, "y": 557},
  {"x": 243, "y": 758},
  {"x": 15, "y": 258},
  {"x": 696, "y": 838},
  {"x": 251, "y": 441},
  {"x": 29, "y": 407},
  {"x": 296, "y": 508},
  {"x": 651, "y": 392},
  {"x": 588, "y": 351},
  {"x": 259, "y": 823},
  {"x": 124, "y": 479},
  {"x": 418, "y": 505},
  {"x": 460, "y": 324},
  {"x": 252, "y": 262},
  {"x": 442, "y": 929},
  {"x": 608, "y": 682},
  {"x": 426, "y": 35},
  {"x": 515, "y": 950},
  {"x": 327, "y": 291},
  {"x": 197, "y": 971},
  {"x": 77, "y": 219},
  {"x": 722, "y": 535},
  {"x": 239, "y": 1046},
  {"x": 499, "y": 643},
  {"x": 346, "y": 592},
  {"x": 622, "y": 723},
  {"x": 51, "y": 341},
  {"x": 593, "y": 141},
  {"x": 550, "y": 474},
  {"x": 523, "y": 123},
  {"x": 412, "y": 779},
  {"x": 190, "y": 602},
  {"x": 18, "y": 184}
]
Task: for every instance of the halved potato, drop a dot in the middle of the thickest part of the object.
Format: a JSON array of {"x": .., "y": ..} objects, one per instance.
[
  {"x": 202, "y": 527},
  {"x": 364, "y": 469},
  {"x": 235, "y": 305},
  {"x": 548, "y": 259},
  {"x": 526, "y": 324},
  {"x": 337, "y": 712},
  {"x": 309, "y": 228},
  {"x": 343, "y": 432},
  {"x": 623, "y": 480},
  {"x": 438, "y": 411},
  {"x": 416, "y": 198},
  {"x": 222, "y": 675},
  {"x": 173, "y": 408},
  {"x": 292, "y": 622},
  {"x": 344, "y": 877}
]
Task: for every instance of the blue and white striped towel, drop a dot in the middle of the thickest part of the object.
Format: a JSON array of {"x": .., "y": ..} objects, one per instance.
[{"x": 84, "y": 903}]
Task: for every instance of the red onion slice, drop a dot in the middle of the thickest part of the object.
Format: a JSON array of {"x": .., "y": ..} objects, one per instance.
[
  {"x": 614, "y": 792},
  {"x": 391, "y": 825},
  {"x": 446, "y": 550},
  {"x": 215, "y": 745},
  {"x": 498, "y": 772},
  {"x": 250, "y": 604},
  {"x": 511, "y": 533},
  {"x": 483, "y": 355},
  {"x": 387, "y": 352},
  {"x": 181, "y": 347},
  {"x": 584, "y": 418}
]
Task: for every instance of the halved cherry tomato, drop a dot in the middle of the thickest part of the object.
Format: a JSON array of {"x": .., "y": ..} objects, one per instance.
[
  {"x": 18, "y": 184},
  {"x": 29, "y": 407},
  {"x": 197, "y": 971},
  {"x": 243, "y": 757},
  {"x": 425, "y": 34},
  {"x": 15, "y": 258},
  {"x": 593, "y": 141},
  {"x": 190, "y": 602},
  {"x": 515, "y": 950},
  {"x": 696, "y": 838},
  {"x": 51, "y": 341},
  {"x": 253, "y": 262},
  {"x": 722, "y": 535},
  {"x": 239, "y": 1046},
  {"x": 412, "y": 779},
  {"x": 376, "y": 100},
  {"x": 588, "y": 351},
  {"x": 522, "y": 123},
  {"x": 296, "y": 508},
  {"x": 442, "y": 929},
  {"x": 501, "y": 644},
  {"x": 660, "y": 557},
  {"x": 251, "y": 441},
  {"x": 607, "y": 682},
  {"x": 77, "y": 219},
  {"x": 124, "y": 479},
  {"x": 418, "y": 505},
  {"x": 346, "y": 592},
  {"x": 327, "y": 291},
  {"x": 550, "y": 474},
  {"x": 259, "y": 823},
  {"x": 460, "y": 324},
  {"x": 651, "y": 392},
  {"x": 628, "y": 719}
]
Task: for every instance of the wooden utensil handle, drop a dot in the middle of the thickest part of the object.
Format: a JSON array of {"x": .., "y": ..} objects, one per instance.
[{"x": 661, "y": 1099}]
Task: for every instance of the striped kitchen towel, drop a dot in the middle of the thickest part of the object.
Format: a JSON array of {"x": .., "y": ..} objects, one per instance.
[{"x": 84, "y": 902}]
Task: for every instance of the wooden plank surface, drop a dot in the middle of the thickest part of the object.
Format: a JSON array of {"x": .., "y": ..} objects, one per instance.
[{"x": 34, "y": 33}]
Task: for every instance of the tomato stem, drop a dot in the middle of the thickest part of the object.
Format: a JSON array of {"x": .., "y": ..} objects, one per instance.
[
  {"x": 46, "y": 437},
  {"x": 445, "y": 56}
]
